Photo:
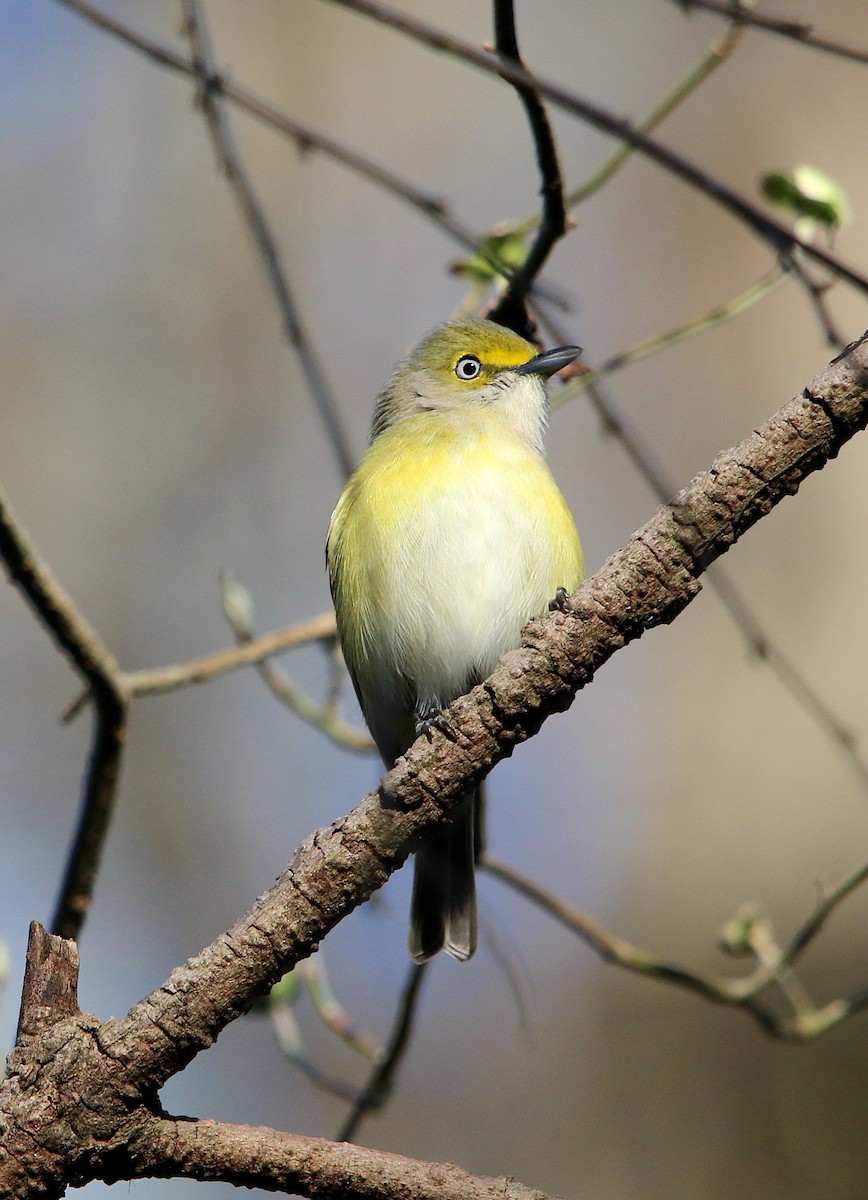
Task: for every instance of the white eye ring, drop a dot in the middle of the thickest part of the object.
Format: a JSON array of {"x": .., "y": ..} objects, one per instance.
[{"x": 468, "y": 367}]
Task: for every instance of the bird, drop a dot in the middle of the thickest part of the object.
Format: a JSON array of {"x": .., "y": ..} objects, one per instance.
[{"x": 449, "y": 536}]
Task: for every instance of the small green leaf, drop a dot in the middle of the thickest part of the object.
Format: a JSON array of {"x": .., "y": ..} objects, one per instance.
[
  {"x": 502, "y": 246},
  {"x": 811, "y": 196}
]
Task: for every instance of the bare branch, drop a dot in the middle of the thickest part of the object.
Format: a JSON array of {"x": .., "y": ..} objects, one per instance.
[
  {"x": 377, "y": 1090},
  {"x": 797, "y": 31},
  {"x": 715, "y": 57},
  {"x": 155, "y": 680},
  {"x": 303, "y": 1166},
  {"x": 510, "y": 308},
  {"x": 774, "y": 970},
  {"x": 106, "y": 686},
  {"x": 311, "y": 976},
  {"x": 816, "y": 293},
  {"x": 229, "y": 159},
  {"x": 778, "y": 237},
  {"x": 324, "y": 717},
  {"x": 826, "y": 905},
  {"x": 708, "y": 320},
  {"x": 790, "y": 674}
]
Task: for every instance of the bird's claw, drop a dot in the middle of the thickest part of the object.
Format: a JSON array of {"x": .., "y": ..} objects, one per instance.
[
  {"x": 559, "y": 601},
  {"x": 434, "y": 720}
]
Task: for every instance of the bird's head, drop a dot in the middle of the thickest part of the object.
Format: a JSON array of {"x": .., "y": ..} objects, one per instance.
[{"x": 472, "y": 363}]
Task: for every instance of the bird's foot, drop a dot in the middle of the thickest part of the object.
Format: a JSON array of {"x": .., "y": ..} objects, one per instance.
[
  {"x": 434, "y": 719},
  {"x": 559, "y": 601}
]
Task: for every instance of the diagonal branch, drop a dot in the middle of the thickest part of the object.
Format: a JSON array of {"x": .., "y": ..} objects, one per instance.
[
  {"x": 152, "y": 681},
  {"x": 797, "y": 31}
]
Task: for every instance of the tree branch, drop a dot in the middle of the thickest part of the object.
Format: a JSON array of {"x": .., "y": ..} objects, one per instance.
[
  {"x": 797, "y": 31},
  {"x": 379, "y": 1086},
  {"x": 57, "y": 612},
  {"x": 229, "y": 160},
  {"x": 747, "y": 933},
  {"x": 325, "y": 717},
  {"x": 153, "y": 681},
  {"x": 304, "y": 1166},
  {"x": 510, "y": 309}
]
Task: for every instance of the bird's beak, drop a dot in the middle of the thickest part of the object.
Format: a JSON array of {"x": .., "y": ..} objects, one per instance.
[{"x": 549, "y": 362}]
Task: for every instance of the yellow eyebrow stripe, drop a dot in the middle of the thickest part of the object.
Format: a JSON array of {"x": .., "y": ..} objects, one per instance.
[{"x": 506, "y": 357}]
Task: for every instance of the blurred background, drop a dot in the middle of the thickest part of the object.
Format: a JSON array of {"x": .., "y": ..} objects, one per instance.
[{"x": 155, "y": 428}]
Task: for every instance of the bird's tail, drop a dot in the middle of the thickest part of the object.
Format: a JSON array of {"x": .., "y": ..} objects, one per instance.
[{"x": 443, "y": 909}]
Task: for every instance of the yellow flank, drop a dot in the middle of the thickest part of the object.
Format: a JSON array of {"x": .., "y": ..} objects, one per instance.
[{"x": 448, "y": 538}]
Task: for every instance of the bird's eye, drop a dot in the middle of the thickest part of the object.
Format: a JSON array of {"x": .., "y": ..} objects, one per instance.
[{"x": 468, "y": 367}]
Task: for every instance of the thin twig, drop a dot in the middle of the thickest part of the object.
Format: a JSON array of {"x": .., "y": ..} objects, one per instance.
[
  {"x": 797, "y": 31},
  {"x": 318, "y": 716},
  {"x": 614, "y": 949},
  {"x": 816, "y": 293},
  {"x": 378, "y": 1088},
  {"x": 510, "y": 308},
  {"x": 763, "y": 646},
  {"x": 155, "y": 680},
  {"x": 514, "y": 970},
  {"x": 776, "y": 235},
  {"x": 827, "y": 904},
  {"x": 331, "y": 1012},
  {"x": 280, "y": 1007},
  {"x": 774, "y": 964},
  {"x": 663, "y": 341},
  {"x": 237, "y": 608},
  {"x": 229, "y": 160},
  {"x": 106, "y": 685},
  {"x": 715, "y": 57},
  {"x": 286, "y": 1030}
]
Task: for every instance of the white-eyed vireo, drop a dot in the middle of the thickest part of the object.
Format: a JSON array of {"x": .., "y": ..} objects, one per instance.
[{"x": 448, "y": 538}]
